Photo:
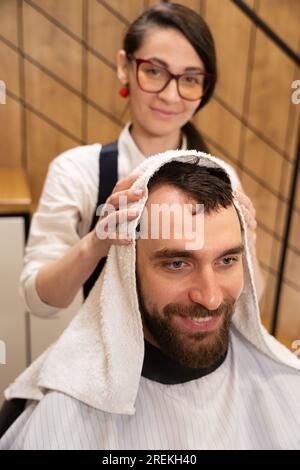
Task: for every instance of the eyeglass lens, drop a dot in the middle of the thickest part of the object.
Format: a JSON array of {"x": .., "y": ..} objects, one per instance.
[{"x": 153, "y": 79}]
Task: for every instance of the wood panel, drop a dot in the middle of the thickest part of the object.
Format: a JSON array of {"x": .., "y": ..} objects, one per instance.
[
  {"x": 270, "y": 98},
  {"x": 259, "y": 158},
  {"x": 221, "y": 126},
  {"x": 53, "y": 100},
  {"x": 297, "y": 201},
  {"x": 9, "y": 68},
  {"x": 266, "y": 303},
  {"x": 193, "y": 4},
  {"x": 52, "y": 48},
  {"x": 129, "y": 12},
  {"x": 103, "y": 87},
  {"x": 295, "y": 229},
  {"x": 10, "y": 133},
  {"x": 66, "y": 12},
  {"x": 103, "y": 24},
  {"x": 289, "y": 319},
  {"x": 268, "y": 249},
  {"x": 283, "y": 17},
  {"x": 230, "y": 27},
  {"x": 292, "y": 271},
  {"x": 8, "y": 20},
  {"x": 266, "y": 204}
]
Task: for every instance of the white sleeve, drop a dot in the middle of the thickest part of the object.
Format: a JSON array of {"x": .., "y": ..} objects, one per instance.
[{"x": 54, "y": 227}]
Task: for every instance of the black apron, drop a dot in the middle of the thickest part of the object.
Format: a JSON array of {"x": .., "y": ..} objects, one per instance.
[{"x": 108, "y": 170}]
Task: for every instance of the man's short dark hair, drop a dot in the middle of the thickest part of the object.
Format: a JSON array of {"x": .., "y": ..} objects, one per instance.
[{"x": 206, "y": 185}]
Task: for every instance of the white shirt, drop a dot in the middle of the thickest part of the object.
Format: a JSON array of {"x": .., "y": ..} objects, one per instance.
[
  {"x": 249, "y": 402},
  {"x": 66, "y": 209}
]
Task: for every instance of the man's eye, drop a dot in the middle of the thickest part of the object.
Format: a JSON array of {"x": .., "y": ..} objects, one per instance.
[
  {"x": 175, "y": 265},
  {"x": 229, "y": 260}
]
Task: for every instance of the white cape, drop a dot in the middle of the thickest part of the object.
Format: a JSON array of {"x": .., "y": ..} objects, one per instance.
[{"x": 98, "y": 359}]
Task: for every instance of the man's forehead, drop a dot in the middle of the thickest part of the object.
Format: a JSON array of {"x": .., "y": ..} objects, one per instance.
[
  {"x": 222, "y": 233},
  {"x": 165, "y": 193}
]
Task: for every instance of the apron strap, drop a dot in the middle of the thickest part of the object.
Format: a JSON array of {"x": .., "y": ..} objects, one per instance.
[{"x": 108, "y": 171}]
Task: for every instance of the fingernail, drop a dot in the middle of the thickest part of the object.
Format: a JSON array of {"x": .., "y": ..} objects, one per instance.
[{"x": 138, "y": 192}]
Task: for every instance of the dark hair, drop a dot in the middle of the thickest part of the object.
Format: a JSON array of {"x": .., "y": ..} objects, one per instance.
[
  {"x": 196, "y": 31},
  {"x": 206, "y": 185}
]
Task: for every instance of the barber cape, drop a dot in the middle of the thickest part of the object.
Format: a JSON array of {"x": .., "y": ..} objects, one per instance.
[{"x": 87, "y": 392}]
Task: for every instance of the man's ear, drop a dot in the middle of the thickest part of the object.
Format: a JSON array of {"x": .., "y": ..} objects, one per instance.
[{"x": 122, "y": 67}]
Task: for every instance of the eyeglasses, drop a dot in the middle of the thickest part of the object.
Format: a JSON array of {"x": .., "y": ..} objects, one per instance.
[{"x": 154, "y": 78}]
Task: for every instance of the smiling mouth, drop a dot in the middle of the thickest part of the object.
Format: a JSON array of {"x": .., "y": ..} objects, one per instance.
[
  {"x": 208, "y": 323},
  {"x": 163, "y": 112}
]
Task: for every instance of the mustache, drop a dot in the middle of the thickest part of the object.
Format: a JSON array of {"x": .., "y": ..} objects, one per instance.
[{"x": 198, "y": 311}]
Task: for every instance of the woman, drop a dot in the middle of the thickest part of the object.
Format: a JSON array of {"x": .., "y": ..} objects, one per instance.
[{"x": 168, "y": 68}]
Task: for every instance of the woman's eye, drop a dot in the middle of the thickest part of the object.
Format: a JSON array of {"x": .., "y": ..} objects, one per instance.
[
  {"x": 192, "y": 80},
  {"x": 154, "y": 71}
]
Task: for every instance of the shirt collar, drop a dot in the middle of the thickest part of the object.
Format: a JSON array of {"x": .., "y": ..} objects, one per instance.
[{"x": 134, "y": 156}]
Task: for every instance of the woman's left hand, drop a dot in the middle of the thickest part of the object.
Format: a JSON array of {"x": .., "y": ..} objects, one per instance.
[{"x": 249, "y": 214}]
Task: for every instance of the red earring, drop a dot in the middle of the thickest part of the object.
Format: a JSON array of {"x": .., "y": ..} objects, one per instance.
[{"x": 124, "y": 91}]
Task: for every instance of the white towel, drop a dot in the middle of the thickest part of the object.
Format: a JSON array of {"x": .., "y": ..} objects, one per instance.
[{"x": 98, "y": 359}]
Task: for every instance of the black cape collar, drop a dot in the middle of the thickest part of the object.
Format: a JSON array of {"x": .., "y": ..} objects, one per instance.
[{"x": 160, "y": 368}]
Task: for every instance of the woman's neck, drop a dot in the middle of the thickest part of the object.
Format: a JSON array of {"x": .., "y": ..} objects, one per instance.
[{"x": 152, "y": 144}]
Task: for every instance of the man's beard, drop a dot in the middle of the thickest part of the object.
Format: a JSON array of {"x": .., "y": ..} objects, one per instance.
[{"x": 194, "y": 349}]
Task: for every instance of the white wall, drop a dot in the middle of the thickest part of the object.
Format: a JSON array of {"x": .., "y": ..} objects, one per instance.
[
  {"x": 12, "y": 318},
  {"x": 22, "y": 337}
]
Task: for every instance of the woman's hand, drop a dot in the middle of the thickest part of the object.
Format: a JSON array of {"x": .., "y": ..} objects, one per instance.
[
  {"x": 108, "y": 225},
  {"x": 249, "y": 215},
  {"x": 250, "y": 218}
]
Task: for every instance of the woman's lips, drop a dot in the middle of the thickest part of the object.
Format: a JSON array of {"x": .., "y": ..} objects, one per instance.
[
  {"x": 200, "y": 324},
  {"x": 162, "y": 113}
]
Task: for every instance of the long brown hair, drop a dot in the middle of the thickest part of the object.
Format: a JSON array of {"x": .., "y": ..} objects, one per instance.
[{"x": 196, "y": 31}]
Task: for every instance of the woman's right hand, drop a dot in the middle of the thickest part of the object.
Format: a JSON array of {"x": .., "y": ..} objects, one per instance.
[{"x": 108, "y": 226}]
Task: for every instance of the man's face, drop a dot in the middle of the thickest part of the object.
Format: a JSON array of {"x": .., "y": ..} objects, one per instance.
[{"x": 187, "y": 297}]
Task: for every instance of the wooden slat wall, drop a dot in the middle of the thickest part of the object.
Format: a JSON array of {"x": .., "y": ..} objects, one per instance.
[{"x": 63, "y": 91}]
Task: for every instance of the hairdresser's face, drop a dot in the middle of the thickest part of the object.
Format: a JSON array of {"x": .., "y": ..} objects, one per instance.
[
  {"x": 165, "y": 112},
  {"x": 187, "y": 296}
]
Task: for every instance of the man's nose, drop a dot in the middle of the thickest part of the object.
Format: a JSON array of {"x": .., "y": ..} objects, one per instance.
[
  {"x": 170, "y": 93},
  {"x": 206, "y": 290}
]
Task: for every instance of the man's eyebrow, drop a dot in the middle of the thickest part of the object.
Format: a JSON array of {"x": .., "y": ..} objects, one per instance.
[
  {"x": 165, "y": 64},
  {"x": 167, "y": 253},
  {"x": 190, "y": 254},
  {"x": 236, "y": 250}
]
